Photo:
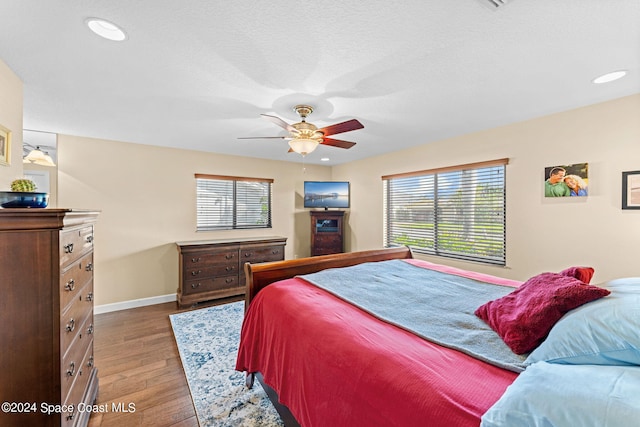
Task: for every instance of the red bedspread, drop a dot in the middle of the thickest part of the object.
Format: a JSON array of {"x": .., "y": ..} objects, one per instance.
[{"x": 335, "y": 365}]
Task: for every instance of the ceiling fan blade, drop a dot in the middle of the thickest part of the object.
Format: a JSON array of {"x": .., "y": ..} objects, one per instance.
[
  {"x": 265, "y": 137},
  {"x": 278, "y": 121},
  {"x": 347, "y": 126},
  {"x": 337, "y": 143}
]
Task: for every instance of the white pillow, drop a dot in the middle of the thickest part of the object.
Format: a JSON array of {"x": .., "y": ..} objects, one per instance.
[
  {"x": 601, "y": 332},
  {"x": 553, "y": 395}
]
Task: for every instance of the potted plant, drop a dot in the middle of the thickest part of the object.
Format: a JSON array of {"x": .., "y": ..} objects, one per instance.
[{"x": 23, "y": 195}]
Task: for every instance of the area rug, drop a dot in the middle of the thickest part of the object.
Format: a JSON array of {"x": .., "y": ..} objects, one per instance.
[{"x": 208, "y": 344}]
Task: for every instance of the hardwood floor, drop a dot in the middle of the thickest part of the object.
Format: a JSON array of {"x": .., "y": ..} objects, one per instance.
[{"x": 140, "y": 370}]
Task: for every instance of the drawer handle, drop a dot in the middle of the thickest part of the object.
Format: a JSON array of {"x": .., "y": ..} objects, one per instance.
[
  {"x": 195, "y": 273},
  {"x": 196, "y": 259},
  {"x": 70, "y": 417},
  {"x": 229, "y": 268},
  {"x": 71, "y": 325},
  {"x": 229, "y": 256},
  {"x": 68, "y": 248},
  {"x": 88, "y": 267},
  {"x": 195, "y": 285},
  {"x": 90, "y": 362},
  {"x": 89, "y": 297},
  {"x": 247, "y": 254},
  {"x": 90, "y": 329},
  {"x": 70, "y": 286},
  {"x": 89, "y": 238},
  {"x": 72, "y": 369},
  {"x": 229, "y": 280},
  {"x": 275, "y": 252}
]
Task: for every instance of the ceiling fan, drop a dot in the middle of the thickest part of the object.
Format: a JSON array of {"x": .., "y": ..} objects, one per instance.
[{"x": 305, "y": 137}]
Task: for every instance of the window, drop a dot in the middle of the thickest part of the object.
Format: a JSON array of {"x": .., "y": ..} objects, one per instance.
[
  {"x": 456, "y": 212},
  {"x": 227, "y": 202}
]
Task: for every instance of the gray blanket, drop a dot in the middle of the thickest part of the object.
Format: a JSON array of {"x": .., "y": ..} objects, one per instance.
[{"x": 433, "y": 305}]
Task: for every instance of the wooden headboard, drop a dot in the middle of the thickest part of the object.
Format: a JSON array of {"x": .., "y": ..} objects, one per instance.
[{"x": 261, "y": 275}]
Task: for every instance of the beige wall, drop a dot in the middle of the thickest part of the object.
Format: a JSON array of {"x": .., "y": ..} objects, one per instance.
[
  {"x": 11, "y": 118},
  {"x": 147, "y": 200},
  {"x": 542, "y": 234}
]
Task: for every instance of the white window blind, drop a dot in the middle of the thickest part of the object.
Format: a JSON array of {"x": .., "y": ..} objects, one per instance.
[
  {"x": 232, "y": 202},
  {"x": 456, "y": 212}
]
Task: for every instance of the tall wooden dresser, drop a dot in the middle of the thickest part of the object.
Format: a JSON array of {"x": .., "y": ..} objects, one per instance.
[
  {"x": 46, "y": 312},
  {"x": 327, "y": 232},
  {"x": 214, "y": 269}
]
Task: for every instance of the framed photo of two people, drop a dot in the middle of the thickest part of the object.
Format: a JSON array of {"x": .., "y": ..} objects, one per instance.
[{"x": 567, "y": 180}]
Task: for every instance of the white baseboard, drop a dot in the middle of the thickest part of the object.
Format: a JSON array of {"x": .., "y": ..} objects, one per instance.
[{"x": 116, "y": 306}]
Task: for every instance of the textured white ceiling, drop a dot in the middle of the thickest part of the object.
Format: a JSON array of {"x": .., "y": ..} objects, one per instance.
[{"x": 196, "y": 74}]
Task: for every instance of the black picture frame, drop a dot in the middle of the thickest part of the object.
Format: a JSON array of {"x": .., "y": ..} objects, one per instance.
[{"x": 631, "y": 190}]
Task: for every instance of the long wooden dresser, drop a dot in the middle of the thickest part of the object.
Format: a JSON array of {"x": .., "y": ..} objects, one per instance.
[
  {"x": 213, "y": 269},
  {"x": 48, "y": 377}
]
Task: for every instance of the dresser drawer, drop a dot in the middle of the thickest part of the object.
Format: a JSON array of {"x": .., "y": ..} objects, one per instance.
[
  {"x": 210, "y": 284},
  {"x": 72, "y": 366},
  {"x": 205, "y": 271},
  {"x": 265, "y": 254},
  {"x": 78, "y": 388},
  {"x": 329, "y": 239},
  {"x": 74, "y": 243},
  {"x": 327, "y": 244},
  {"x": 74, "y": 278},
  {"x": 199, "y": 259}
]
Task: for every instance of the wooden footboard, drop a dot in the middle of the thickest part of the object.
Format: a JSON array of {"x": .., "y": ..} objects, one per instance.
[{"x": 259, "y": 276}]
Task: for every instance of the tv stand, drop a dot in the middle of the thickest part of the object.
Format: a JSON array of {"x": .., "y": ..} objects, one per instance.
[{"x": 327, "y": 232}]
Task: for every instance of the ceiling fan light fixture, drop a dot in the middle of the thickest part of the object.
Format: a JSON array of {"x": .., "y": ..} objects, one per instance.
[
  {"x": 303, "y": 146},
  {"x": 106, "y": 29},
  {"x": 39, "y": 157}
]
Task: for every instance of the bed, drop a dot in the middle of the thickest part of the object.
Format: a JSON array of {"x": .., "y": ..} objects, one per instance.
[{"x": 335, "y": 362}]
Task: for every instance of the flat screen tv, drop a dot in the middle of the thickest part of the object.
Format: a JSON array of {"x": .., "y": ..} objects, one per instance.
[{"x": 326, "y": 194}]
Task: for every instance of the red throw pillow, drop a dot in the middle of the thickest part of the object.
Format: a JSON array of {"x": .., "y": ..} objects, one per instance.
[
  {"x": 584, "y": 274},
  {"x": 524, "y": 317}
]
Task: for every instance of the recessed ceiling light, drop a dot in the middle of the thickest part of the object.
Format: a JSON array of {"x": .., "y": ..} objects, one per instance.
[
  {"x": 106, "y": 29},
  {"x": 324, "y": 159},
  {"x": 609, "y": 77}
]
